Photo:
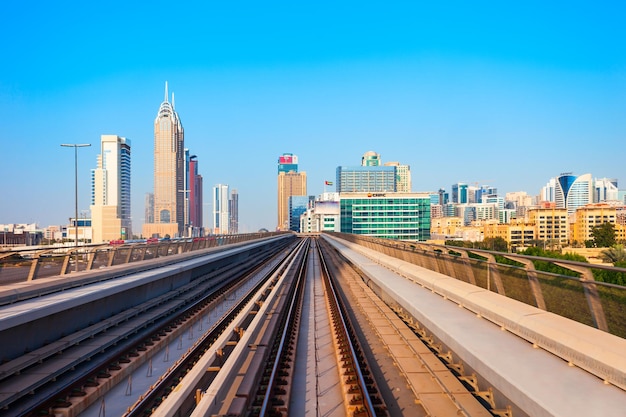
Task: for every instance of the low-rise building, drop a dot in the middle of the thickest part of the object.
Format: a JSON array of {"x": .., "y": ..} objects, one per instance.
[
  {"x": 389, "y": 215},
  {"x": 551, "y": 225}
]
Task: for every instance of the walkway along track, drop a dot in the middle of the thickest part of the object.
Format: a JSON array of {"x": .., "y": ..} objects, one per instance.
[
  {"x": 434, "y": 386},
  {"x": 79, "y": 373}
]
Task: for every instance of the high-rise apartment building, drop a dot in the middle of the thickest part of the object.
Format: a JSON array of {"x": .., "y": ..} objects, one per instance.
[
  {"x": 290, "y": 183},
  {"x": 110, "y": 191},
  {"x": 220, "y": 209},
  {"x": 169, "y": 173},
  {"x": 403, "y": 177},
  {"x": 233, "y": 212}
]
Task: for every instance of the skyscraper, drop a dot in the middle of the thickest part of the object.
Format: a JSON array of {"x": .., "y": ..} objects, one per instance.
[
  {"x": 169, "y": 173},
  {"x": 573, "y": 191},
  {"x": 220, "y": 209},
  {"x": 460, "y": 193},
  {"x": 194, "y": 185},
  {"x": 110, "y": 190},
  {"x": 290, "y": 183},
  {"x": 233, "y": 212}
]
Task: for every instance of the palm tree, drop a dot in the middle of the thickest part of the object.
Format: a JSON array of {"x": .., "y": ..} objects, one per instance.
[{"x": 615, "y": 253}]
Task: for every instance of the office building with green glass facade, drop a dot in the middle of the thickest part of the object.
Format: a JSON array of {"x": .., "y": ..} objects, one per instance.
[{"x": 403, "y": 216}]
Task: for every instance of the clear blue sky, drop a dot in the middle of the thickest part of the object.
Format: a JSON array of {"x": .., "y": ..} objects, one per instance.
[{"x": 505, "y": 93}]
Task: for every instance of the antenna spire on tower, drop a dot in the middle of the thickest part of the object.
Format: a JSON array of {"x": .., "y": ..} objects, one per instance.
[{"x": 166, "y": 95}]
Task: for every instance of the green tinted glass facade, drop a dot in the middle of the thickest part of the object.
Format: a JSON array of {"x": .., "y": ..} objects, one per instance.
[{"x": 391, "y": 217}]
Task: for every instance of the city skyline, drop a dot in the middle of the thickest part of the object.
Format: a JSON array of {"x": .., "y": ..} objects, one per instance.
[{"x": 461, "y": 93}]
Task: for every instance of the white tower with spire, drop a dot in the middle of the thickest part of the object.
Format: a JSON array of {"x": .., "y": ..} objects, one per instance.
[{"x": 169, "y": 172}]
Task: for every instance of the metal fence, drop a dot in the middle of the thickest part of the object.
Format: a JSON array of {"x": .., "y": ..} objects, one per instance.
[
  {"x": 42, "y": 262},
  {"x": 578, "y": 297}
]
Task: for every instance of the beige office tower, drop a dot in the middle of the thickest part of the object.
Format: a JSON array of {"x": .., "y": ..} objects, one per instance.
[
  {"x": 289, "y": 184},
  {"x": 110, "y": 191},
  {"x": 403, "y": 176},
  {"x": 169, "y": 173}
]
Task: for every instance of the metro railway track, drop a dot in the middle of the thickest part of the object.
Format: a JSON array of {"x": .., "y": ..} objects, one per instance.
[
  {"x": 363, "y": 397},
  {"x": 150, "y": 402},
  {"x": 69, "y": 370},
  {"x": 262, "y": 384}
]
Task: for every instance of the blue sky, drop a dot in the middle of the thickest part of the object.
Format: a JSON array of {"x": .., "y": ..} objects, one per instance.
[{"x": 508, "y": 94}]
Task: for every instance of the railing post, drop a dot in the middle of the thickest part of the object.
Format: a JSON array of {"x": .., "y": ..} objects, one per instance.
[
  {"x": 532, "y": 279},
  {"x": 591, "y": 294},
  {"x": 91, "y": 259},
  {"x": 427, "y": 257},
  {"x": 34, "y": 268},
  {"x": 112, "y": 256},
  {"x": 130, "y": 254},
  {"x": 468, "y": 266},
  {"x": 66, "y": 264},
  {"x": 493, "y": 272}
]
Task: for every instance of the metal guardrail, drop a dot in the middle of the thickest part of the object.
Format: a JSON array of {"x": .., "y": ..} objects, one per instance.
[
  {"x": 42, "y": 262},
  {"x": 580, "y": 298}
]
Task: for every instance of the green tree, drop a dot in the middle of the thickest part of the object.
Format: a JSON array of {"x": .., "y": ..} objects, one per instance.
[
  {"x": 549, "y": 266},
  {"x": 495, "y": 243},
  {"x": 614, "y": 254},
  {"x": 603, "y": 235}
]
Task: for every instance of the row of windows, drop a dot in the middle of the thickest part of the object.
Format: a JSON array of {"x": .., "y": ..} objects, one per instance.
[{"x": 386, "y": 201}]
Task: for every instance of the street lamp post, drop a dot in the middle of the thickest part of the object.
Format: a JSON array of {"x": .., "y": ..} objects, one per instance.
[{"x": 76, "y": 146}]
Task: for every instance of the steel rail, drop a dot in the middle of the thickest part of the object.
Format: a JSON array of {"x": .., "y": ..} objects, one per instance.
[
  {"x": 294, "y": 306},
  {"x": 149, "y": 402},
  {"x": 345, "y": 326}
]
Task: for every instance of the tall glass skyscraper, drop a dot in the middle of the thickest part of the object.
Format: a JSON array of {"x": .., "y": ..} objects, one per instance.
[
  {"x": 194, "y": 185},
  {"x": 233, "y": 212},
  {"x": 573, "y": 191},
  {"x": 459, "y": 193},
  {"x": 110, "y": 190},
  {"x": 220, "y": 209},
  {"x": 169, "y": 172}
]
